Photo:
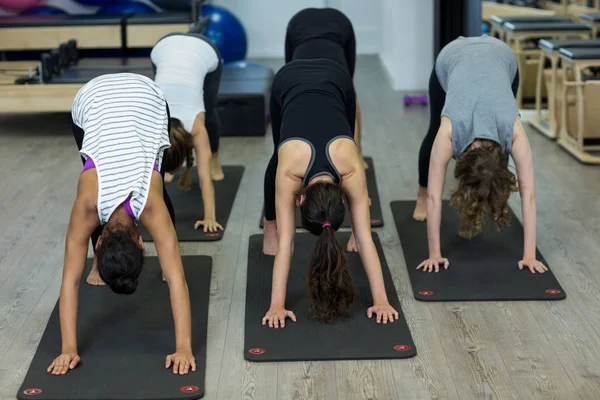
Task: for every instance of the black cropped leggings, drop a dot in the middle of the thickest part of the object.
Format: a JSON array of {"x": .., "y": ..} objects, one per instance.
[
  {"x": 211, "y": 116},
  {"x": 78, "y": 134},
  {"x": 437, "y": 98}
]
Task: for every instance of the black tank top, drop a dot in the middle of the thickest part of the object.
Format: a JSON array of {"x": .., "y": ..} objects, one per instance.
[{"x": 317, "y": 106}]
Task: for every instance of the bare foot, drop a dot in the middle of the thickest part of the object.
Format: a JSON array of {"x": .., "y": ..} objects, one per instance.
[
  {"x": 163, "y": 278},
  {"x": 365, "y": 165},
  {"x": 94, "y": 277},
  {"x": 168, "y": 177},
  {"x": 270, "y": 241},
  {"x": 215, "y": 168},
  {"x": 352, "y": 247},
  {"x": 420, "y": 213}
]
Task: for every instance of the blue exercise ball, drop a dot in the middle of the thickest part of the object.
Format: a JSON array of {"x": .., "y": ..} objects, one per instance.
[
  {"x": 44, "y": 10},
  {"x": 485, "y": 28},
  {"x": 95, "y": 2},
  {"x": 125, "y": 7},
  {"x": 174, "y": 5},
  {"x": 226, "y": 31}
]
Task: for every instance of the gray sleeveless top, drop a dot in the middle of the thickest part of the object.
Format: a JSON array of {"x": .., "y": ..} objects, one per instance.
[{"x": 477, "y": 73}]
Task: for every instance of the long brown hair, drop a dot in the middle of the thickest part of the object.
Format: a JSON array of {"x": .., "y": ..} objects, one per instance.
[
  {"x": 182, "y": 149},
  {"x": 484, "y": 185},
  {"x": 330, "y": 286}
]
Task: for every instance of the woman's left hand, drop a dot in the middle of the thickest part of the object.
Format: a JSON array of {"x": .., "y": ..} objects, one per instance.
[
  {"x": 181, "y": 360},
  {"x": 210, "y": 225},
  {"x": 383, "y": 311},
  {"x": 533, "y": 265}
]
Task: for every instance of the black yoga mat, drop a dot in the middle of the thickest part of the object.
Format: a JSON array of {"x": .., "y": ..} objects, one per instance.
[
  {"x": 189, "y": 207},
  {"x": 376, "y": 214},
  {"x": 353, "y": 338},
  {"x": 123, "y": 341},
  {"x": 483, "y": 268}
]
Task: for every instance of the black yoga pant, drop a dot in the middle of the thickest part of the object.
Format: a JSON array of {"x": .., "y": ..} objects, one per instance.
[
  {"x": 211, "y": 116},
  {"x": 78, "y": 134},
  {"x": 321, "y": 33},
  {"x": 437, "y": 98}
]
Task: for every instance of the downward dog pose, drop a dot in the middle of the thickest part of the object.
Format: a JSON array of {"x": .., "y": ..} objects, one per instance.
[
  {"x": 324, "y": 33},
  {"x": 474, "y": 119},
  {"x": 316, "y": 163},
  {"x": 120, "y": 124},
  {"x": 188, "y": 71}
]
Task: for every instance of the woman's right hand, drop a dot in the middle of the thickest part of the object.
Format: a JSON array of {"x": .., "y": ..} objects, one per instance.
[
  {"x": 276, "y": 316},
  {"x": 64, "y": 363},
  {"x": 433, "y": 264}
]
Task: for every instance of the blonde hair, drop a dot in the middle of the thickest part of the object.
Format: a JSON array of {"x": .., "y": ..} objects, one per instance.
[{"x": 182, "y": 149}]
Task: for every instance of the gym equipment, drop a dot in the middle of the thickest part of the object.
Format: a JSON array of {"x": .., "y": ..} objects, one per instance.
[
  {"x": 123, "y": 342},
  {"x": 125, "y": 7},
  {"x": 144, "y": 30},
  {"x": 497, "y": 22},
  {"x": 593, "y": 21},
  {"x": 419, "y": 99},
  {"x": 18, "y": 5},
  {"x": 44, "y": 10},
  {"x": 243, "y": 103},
  {"x": 226, "y": 31},
  {"x": 189, "y": 208},
  {"x": 353, "y": 338},
  {"x": 376, "y": 214},
  {"x": 485, "y": 28},
  {"x": 483, "y": 268},
  {"x": 579, "y": 134},
  {"x": 549, "y": 122},
  {"x": 519, "y": 34}
]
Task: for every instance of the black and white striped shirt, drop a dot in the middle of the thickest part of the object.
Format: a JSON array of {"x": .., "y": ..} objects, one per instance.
[{"x": 125, "y": 122}]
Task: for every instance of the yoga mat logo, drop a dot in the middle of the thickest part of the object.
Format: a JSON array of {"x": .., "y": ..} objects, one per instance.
[
  {"x": 426, "y": 293},
  {"x": 32, "y": 392},
  {"x": 402, "y": 347},
  {"x": 553, "y": 291},
  {"x": 256, "y": 351},
  {"x": 189, "y": 389}
]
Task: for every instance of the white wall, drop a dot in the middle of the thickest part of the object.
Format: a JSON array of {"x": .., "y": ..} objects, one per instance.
[
  {"x": 407, "y": 43},
  {"x": 265, "y": 22}
]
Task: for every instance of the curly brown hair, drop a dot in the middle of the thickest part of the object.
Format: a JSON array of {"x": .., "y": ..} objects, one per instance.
[
  {"x": 484, "y": 185},
  {"x": 181, "y": 150},
  {"x": 330, "y": 286}
]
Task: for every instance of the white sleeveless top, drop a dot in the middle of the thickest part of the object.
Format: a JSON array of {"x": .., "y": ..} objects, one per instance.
[
  {"x": 182, "y": 62},
  {"x": 125, "y": 123}
]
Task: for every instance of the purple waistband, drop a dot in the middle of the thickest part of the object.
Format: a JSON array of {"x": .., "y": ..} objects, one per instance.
[{"x": 89, "y": 164}]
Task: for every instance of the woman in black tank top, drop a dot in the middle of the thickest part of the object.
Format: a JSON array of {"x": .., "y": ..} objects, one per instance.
[
  {"x": 324, "y": 33},
  {"x": 315, "y": 165}
]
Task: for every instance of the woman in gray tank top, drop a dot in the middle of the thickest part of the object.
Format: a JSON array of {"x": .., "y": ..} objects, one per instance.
[{"x": 474, "y": 119}]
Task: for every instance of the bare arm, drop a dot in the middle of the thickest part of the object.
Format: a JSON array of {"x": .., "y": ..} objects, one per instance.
[
  {"x": 204, "y": 155},
  {"x": 157, "y": 221},
  {"x": 84, "y": 219},
  {"x": 440, "y": 157},
  {"x": 285, "y": 206},
  {"x": 355, "y": 186},
  {"x": 521, "y": 153}
]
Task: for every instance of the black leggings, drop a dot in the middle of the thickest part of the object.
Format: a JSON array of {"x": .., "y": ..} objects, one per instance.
[
  {"x": 211, "y": 116},
  {"x": 437, "y": 98},
  {"x": 78, "y": 134}
]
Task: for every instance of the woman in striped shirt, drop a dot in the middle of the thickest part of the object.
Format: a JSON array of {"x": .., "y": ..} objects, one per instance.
[
  {"x": 120, "y": 124},
  {"x": 188, "y": 71}
]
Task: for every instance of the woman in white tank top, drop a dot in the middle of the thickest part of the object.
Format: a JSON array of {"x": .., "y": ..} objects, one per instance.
[
  {"x": 120, "y": 124},
  {"x": 188, "y": 71}
]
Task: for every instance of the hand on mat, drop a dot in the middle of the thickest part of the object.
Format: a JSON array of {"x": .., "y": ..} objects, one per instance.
[
  {"x": 433, "y": 264},
  {"x": 533, "y": 265},
  {"x": 63, "y": 363},
  {"x": 210, "y": 225},
  {"x": 276, "y": 317},
  {"x": 383, "y": 312},
  {"x": 181, "y": 360}
]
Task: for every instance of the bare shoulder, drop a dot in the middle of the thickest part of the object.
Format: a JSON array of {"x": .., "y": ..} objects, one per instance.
[
  {"x": 294, "y": 158},
  {"x": 346, "y": 157}
]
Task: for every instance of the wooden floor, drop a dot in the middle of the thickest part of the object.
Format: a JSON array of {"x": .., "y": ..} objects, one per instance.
[{"x": 511, "y": 350}]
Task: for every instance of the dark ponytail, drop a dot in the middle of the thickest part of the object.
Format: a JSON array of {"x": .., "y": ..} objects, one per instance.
[{"x": 330, "y": 286}]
